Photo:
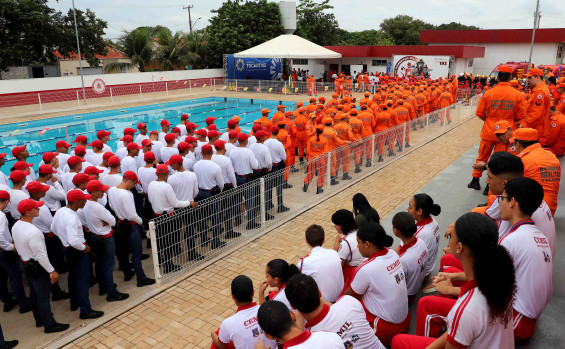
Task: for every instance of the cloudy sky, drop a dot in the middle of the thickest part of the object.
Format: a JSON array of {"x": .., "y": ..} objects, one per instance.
[{"x": 352, "y": 15}]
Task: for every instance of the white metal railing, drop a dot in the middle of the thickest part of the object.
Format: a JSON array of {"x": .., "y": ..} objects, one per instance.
[{"x": 254, "y": 208}]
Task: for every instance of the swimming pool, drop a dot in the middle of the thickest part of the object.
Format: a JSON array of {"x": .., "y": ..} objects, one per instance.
[{"x": 115, "y": 120}]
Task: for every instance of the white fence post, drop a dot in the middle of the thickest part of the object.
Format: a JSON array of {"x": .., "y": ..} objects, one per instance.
[
  {"x": 373, "y": 152},
  {"x": 285, "y": 88},
  {"x": 67, "y": 133},
  {"x": 189, "y": 87},
  {"x": 235, "y": 85},
  {"x": 153, "y": 237},
  {"x": 427, "y": 122},
  {"x": 39, "y": 99},
  {"x": 111, "y": 95},
  {"x": 328, "y": 172},
  {"x": 259, "y": 86},
  {"x": 78, "y": 99},
  {"x": 140, "y": 94},
  {"x": 404, "y": 137},
  {"x": 263, "y": 210},
  {"x": 167, "y": 87}
]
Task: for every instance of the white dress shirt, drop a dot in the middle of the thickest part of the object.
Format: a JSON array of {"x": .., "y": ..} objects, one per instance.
[
  {"x": 54, "y": 196},
  {"x": 209, "y": 175},
  {"x": 146, "y": 175},
  {"x": 182, "y": 129},
  {"x": 68, "y": 227},
  {"x": 324, "y": 265},
  {"x": 163, "y": 198},
  {"x": 156, "y": 149},
  {"x": 244, "y": 161},
  {"x": 185, "y": 185},
  {"x": 85, "y": 164},
  {"x": 44, "y": 220},
  {"x": 128, "y": 163},
  {"x": 4, "y": 179},
  {"x": 6, "y": 241},
  {"x": 30, "y": 244},
  {"x": 263, "y": 155},
  {"x": 227, "y": 169},
  {"x": 98, "y": 219},
  {"x": 15, "y": 197},
  {"x": 229, "y": 147},
  {"x": 278, "y": 153},
  {"x": 112, "y": 180},
  {"x": 121, "y": 201}
]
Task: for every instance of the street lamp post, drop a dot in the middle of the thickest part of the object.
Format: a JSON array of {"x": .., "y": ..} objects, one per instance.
[{"x": 79, "y": 55}]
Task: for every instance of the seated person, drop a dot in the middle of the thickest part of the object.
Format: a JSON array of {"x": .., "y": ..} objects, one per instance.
[
  {"x": 277, "y": 273},
  {"x": 346, "y": 243}
]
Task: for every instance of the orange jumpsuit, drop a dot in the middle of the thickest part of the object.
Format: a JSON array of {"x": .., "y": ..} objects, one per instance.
[
  {"x": 421, "y": 103},
  {"x": 333, "y": 142},
  {"x": 366, "y": 86},
  {"x": 310, "y": 108},
  {"x": 368, "y": 120},
  {"x": 555, "y": 139},
  {"x": 348, "y": 87},
  {"x": 402, "y": 117},
  {"x": 537, "y": 110},
  {"x": 542, "y": 166},
  {"x": 276, "y": 118},
  {"x": 316, "y": 146},
  {"x": 502, "y": 102},
  {"x": 357, "y": 131},
  {"x": 265, "y": 122},
  {"x": 384, "y": 120},
  {"x": 445, "y": 101},
  {"x": 560, "y": 106},
  {"x": 343, "y": 130},
  {"x": 301, "y": 134}
]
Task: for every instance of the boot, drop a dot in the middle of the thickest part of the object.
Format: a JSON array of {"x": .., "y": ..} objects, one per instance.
[
  {"x": 57, "y": 293},
  {"x": 485, "y": 193},
  {"x": 381, "y": 158},
  {"x": 319, "y": 190},
  {"x": 441, "y": 123},
  {"x": 346, "y": 176},
  {"x": 391, "y": 153},
  {"x": 334, "y": 181},
  {"x": 357, "y": 168},
  {"x": 286, "y": 185},
  {"x": 368, "y": 164},
  {"x": 305, "y": 188},
  {"x": 400, "y": 149},
  {"x": 302, "y": 161},
  {"x": 474, "y": 184},
  {"x": 293, "y": 169},
  {"x": 407, "y": 145}
]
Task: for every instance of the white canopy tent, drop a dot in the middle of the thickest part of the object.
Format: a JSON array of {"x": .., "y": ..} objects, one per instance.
[{"x": 288, "y": 46}]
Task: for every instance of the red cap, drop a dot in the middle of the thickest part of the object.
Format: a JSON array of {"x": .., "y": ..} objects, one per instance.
[
  {"x": 46, "y": 169},
  {"x": 212, "y": 127},
  {"x": 170, "y": 137},
  {"x": 131, "y": 175},
  {"x": 182, "y": 146},
  {"x": 48, "y": 156},
  {"x": 73, "y": 160},
  {"x": 233, "y": 134},
  {"x": 4, "y": 195},
  {"x": 96, "y": 185},
  {"x": 201, "y": 132},
  {"x": 102, "y": 134},
  {"x": 207, "y": 147},
  {"x": 107, "y": 155},
  {"x": 129, "y": 131},
  {"x": 127, "y": 138},
  {"x": 219, "y": 144},
  {"x": 176, "y": 129},
  {"x": 174, "y": 159},
  {"x": 33, "y": 187},
  {"x": 257, "y": 127},
  {"x": 28, "y": 204},
  {"x": 191, "y": 126},
  {"x": 20, "y": 165},
  {"x": 162, "y": 168},
  {"x": 184, "y": 117},
  {"x": 81, "y": 139},
  {"x": 90, "y": 170},
  {"x": 141, "y": 125},
  {"x": 242, "y": 136},
  {"x": 113, "y": 161},
  {"x": 260, "y": 134},
  {"x": 165, "y": 122},
  {"x": 80, "y": 150},
  {"x": 505, "y": 69},
  {"x": 132, "y": 146},
  {"x": 18, "y": 175},
  {"x": 210, "y": 120},
  {"x": 18, "y": 150},
  {"x": 3, "y": 155},
  {"x": 149, "y": 156},
  {"x": 190, "y": 139},
  {"x": 146, "y": 143},
  {"x": 153, "y": 132},
  {"x": 274, "y": 129},
  {"x": 232, "y": 123},
  {"x": 62, "y": 143},
  {"x": 75, "y": 194},
  {"x": 80, "y": 178},
  {"x": 96, "y": 144},
  {"x": 214, "y": 133}
]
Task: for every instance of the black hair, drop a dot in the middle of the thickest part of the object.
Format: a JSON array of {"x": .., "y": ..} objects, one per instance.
[
  {"x": 504, "y": 76},
  {"x": 552, "y": 108},
  {"x": 525, "y": 144},
  {"x": 318, "y": 133},
  {"x": 527, "y": 192},
  {"x": 504, "y": 163},
  {"x": 3, "y": 200},
  {"x": 361, "y": 206},
  {"x": 375, "y": 234},
  {"x": 552, "y": 80},
  {"x": 426, "y": 203},
  {"x": 404, "y": 222},
  {"x": 242, "y": 289},
  {"x": 480, "y": 234},
  {"x": 315, "y": 235},
  {"x": 274, "y": 318},
  {"x": 345, "y": 219},
  {"x": 279, "y": 268},
  {"x": 302, "y": 293}
]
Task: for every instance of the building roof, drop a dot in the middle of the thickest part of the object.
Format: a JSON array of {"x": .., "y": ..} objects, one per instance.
[
  {"x": 288, "y": 46},
  {"x": 112, "y": 53},
  {"x": 544, "y": 35},
  {"x": 419, "y": 50}
]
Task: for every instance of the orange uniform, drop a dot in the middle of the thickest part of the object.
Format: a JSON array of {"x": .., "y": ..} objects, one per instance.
[
  {"x": 264, "y": 121},
  {"x": 402, "y": 117},
  {"x": 333, "y": 142},
  {"x": 554, "y": 141},
  {"x": 343, "y": 130},
  {"x": 421, "y": 102},
  {"x": 445, "y": 100},
  {"x": 502, "y": 102},
  {"x": 300, "y": 123},
  {"x": 537, "y": 110},
  {"x": 560, "y": 106},
  {"x": 368, "y": 120},
  {"x": 542, "y": 166},
  {"x": 357, "y": 131},
  {"x": 317, "y": 145},
  {"x": 310, "y": 108},
  {"x": 276, "y": 118},
  {"x": 384, "y": 120}
]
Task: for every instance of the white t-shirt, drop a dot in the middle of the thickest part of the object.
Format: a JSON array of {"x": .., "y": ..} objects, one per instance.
[
  {"x": 324, "y": 265},
  {"x": 380, "y": 280},
  {"x": 113, "y": 180},
  {"x": 348, "y": 250},
  {"x": 468, "y": 323},
  {"x": 167, "y": 152},
  {"x": 311, "y": 340},
  {"x": 94, "y": 158},
  {"x": 280, "y": 296},
  {"x": 428, "y": 231},
  {"x": 533, "y": 263},
  {"x": 413, "y": 257},
  {"x": 243, "y": 329},
  {"x": 146, "y": 175},
  {"x": 185, "y": 185},
  {"x": 346, "y": 318}
]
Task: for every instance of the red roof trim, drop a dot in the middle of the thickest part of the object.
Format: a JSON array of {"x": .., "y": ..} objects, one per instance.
[
  {"x": 112, "y": 53},
  {"x": 544, "y": 35},
  {"x": 420, "y": 50}
]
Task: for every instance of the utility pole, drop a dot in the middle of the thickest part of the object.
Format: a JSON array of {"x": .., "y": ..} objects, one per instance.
[
  {"x": 189, "y": 19},
  {"x": 537, "y": 17}
]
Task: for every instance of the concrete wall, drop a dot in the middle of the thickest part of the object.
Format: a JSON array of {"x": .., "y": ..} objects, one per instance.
[
  {"x": 15, "y": 73},
  {"x": 68, "y": 82}
]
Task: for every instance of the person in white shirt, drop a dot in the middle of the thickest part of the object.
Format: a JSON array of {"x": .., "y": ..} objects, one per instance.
[
  {"x": 231, "y": 143},
  {"x": 182, "y": 125},
  {"x": 68, "y": 227},
  {"x": 241, "y": 329},
  {"x": 187, "y": 156},
  {"x": 169, "y": 150},
  {"x": 50, "y": 158},
  {"x": 104, "y": 165},
  {"x": 323, "y": 264},
  {"x": 165, "y": 127},
  {"x": 95, "y": 158},
  {"x": 345, "y": 317},
  {"x": 156, "y": 145},
  {"x": 275, "y": 320},
  {"x": 278, "y": 157},
  {"x": 18, "y": 179},
  {"x": 413, "y": 252},
  {"x": 122, "y": 151},
  {"x": 129, "y": 162},
  {"x": 202, "y": 139},
  {"x": 39, "y": 272},
  {"x": 100, "y": 222},
  {"x": 113, "y": 178},
  {"x": 10, "y": 264},
  {"x": 142, "y": 127},
  {"x": 75, "y": 166},
  {"x": 277, "y": 273},
  {"x": 21, "y": 154},
  {"x": 346, "y": 243},
  {"x": 147, "y": 173},
  {"x": 264, "y": 160},
  {"x": 80, "y": 152},
  {"x": 104, "y": 137},
  {"x": 3, "y": 178},
  {"x": 146, "y": 146},
  {"x": 252, "y": 139},
  {"x": 229, "y": 210},
  {"x": 129, "y": 132},
  {"x": 62, "y": 151},
  {"x": 81, "y": 141},
  {"x": 379, "y": 283},
  {"x": 56, "y": 194},
  {"x": 129, "y": 225}
]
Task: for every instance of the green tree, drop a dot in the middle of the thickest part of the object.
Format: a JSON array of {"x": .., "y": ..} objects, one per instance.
[
  {"x": 156, "y": 30},
  {"x": 173, "y": 52},
  {"x": 314, "y": 24},
  {"x": 239, "y": 25},
  {"x": 198, "y": 43},
  {"x": 139, "y": 47},
  {"x": 456, "y": 26},
  {"x": 404, "y": 30},
  {"x": 366, "y": 37}
]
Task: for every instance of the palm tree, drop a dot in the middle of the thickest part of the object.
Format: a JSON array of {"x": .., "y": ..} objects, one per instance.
[
  {"x": 197, "y": 42},
  {"x": 139, "y": 47}
]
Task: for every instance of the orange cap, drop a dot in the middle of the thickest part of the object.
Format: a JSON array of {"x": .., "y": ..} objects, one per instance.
[
  {"x": 513, "y": 82},
  {"x": 535, "y": 71},
  {"x": 526, "y": 134},
  {"x": 501, "y": 127},
  {"x": 562, "y": 85},
  {"x": 327, "y": 120},
  {"x": 505, "y": 69}
]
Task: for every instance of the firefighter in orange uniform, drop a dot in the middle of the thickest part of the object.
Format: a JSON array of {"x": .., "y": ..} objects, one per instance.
[
  {"x": 343, "y": 130},
  {"x": 356, "y": 131},
  {"x": 291, "y": 153},
  {"x": 333, "y": 142},
  {"x": 383, "y": 121},
  {"x": 284, "y": 138},
  {"x": 279, "y": 115},
  {"x": 320, "y": 113},
  {"x": 316, "y": 146},
  {"x": 402, "y": 118},
  {"x": 421, "y": 102},
  {"x": 560, "y": 106},
  {"x": 537, "y": 110},
  {"x": 237, "y": 119},
  {"x": 445, "y": 101},
  {"x": 310, "y": 108},
  {"x": 264, "y": 119},
  {"x": 368, "y": 120},
  {"x": 300, "y": 123},
  {"x": 502, "y": 102},
  {"x": 554, "y": 141}
]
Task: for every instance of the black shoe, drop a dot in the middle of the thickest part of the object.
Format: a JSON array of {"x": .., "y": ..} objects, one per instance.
[
  {"x": 9, "y": 344},
  {"x": 117, "y": 297},
  {"x": 74, "y": 307},
  {"x": 128, "y": 276},
  {"x": 334, "y": 181},
  {"x": 305, "y": 188},
  {"x": 193, "y": 256},
  {"x": 144, "y": 256},
  {"x": 93, "y": 281},
  {"x": 400, "y": 149},
  {"x": 407, "y": 145},
  {"x": 474, "y": 184},
  {"x": 25, "y": 309},
  {"x": 282, "y": 209},
  {"x": 293, "y": 169},
  {"x": 485, "y": 192},
  {"x": 232, "y": 235},
  {"x": 368, "y": 164},
  {"x": 57, "y": 327},
  {"x": 381, "y": 158},
  {"x": 60, "y": 295},
  {"x": 287, "y": 186},
  {"x": 391, "y": 153},
  {"x": 319, "y": 190},
  {"x": 145, "y": 282},
  {"x": 39, "y": 323},
  {"x": 441, "y": 123},
  {"x": 357, "y": 169},
  {"x": 218, "y": 243},
  {"x": 421, "y": 126},
  {"x": 171, "y": 268},
  {"x": 92, "y": 314},
  {"x": 148, "y": 245},
  {"x": 346, "y": 177},
  {"x": 9, "y": 305},
  {"x": 252, "y": 225},
  {"x": 414, "y": 128},
  {"x": 269, "y": 217}
]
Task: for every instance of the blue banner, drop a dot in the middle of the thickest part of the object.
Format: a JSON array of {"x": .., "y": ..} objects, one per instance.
[
  {"x": 253, "y": 68},
  {"x": 388, "y": 68}
]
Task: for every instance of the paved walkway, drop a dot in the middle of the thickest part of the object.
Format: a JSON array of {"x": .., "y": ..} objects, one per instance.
[{"x": 184, "y": 315}]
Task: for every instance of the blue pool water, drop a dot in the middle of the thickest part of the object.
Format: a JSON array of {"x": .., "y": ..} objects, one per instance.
[{"x": 115, "y": 120}]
